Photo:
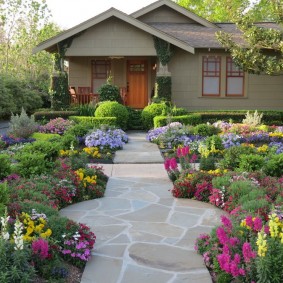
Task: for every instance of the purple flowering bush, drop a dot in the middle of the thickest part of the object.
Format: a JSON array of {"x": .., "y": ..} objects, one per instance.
[
  {"x": 56, "y": 126},
  {"x": 107, "y": 139}
]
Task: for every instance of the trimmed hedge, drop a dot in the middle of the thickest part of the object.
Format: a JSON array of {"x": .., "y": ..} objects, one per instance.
[
  {"x": 193, "y": 119},
  {"x": 48, "y": 115},
  {"x": 95, "y": 121},
  {"x": 237, "y": 116}
]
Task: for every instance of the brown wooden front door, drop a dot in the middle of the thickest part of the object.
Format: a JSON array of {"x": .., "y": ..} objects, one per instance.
[{"x": 137, "y": 90}]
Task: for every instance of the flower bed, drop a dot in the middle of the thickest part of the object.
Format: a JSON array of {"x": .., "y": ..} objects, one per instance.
[
  {"x": 37, "y": 180},
  {"x": 241, "y": 173}
]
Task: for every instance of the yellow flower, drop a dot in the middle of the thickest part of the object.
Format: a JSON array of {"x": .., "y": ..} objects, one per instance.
[
  {"x": 46, "y": 234},
  {"x": 261, "y": 243},
  {"x": 276, "y": 134},
  {"x": 262, "y": 148},
  {"x": 39, "y": 228}
]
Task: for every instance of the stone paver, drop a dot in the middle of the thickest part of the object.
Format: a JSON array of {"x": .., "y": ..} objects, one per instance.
[{"x": 143, "y": 233}]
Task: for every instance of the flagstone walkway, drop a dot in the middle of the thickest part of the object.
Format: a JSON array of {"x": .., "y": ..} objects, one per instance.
[{"x": 143, "y": 233}]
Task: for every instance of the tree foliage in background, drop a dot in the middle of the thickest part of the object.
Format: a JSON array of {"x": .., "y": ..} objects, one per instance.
[
  {"x": 24, "y": 24},
  {"x": 263, "y": 48},
  {"x": 220, "y": 10}
]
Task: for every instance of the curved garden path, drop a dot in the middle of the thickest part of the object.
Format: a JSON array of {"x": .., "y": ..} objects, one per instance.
[{"x": 143, "y": 233}]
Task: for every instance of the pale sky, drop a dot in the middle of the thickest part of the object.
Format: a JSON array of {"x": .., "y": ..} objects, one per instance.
[{"x": 68, "y": 13}]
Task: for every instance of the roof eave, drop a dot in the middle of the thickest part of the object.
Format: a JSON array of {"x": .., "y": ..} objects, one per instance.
[
  {"x": 175, "y": 7},
  {"x": 51, "y": 43}
]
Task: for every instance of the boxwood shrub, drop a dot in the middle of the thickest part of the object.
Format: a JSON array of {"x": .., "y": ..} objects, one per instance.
[
  {"x": 193, "y": 119},
  {"x": 48, "y": 115},
  {"x": 94, "y": 122},
  {"x": 113, "y": 109}
]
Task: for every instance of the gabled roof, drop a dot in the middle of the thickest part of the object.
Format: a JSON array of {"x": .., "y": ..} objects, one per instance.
[
  {"x": 51, "y": 43},
  {"x": 175, "y": 7}
]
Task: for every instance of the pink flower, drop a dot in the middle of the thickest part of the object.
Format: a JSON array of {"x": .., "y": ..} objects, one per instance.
[
  {"x": 167, "y": 164},
  {"x": 40, "y": 247},
  {"x": 247, "y": 252},
  {"x": 226, "y": 222},
  {"x": 249, "y": 221},
  {"x": 173, "y": 163},
  {"x": 185, "y": 150},
  {"x": 222, "y": 236},
  {"x": 257, "y": 224}
]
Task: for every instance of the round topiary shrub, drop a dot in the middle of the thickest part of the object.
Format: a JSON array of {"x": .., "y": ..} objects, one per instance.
[
  {"x": 113, "y": 109},
  {"x": 151, "y": 111},
  {"x": 109, "y": 92}
]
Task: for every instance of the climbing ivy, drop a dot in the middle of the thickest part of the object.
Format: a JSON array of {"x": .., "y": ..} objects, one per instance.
[
  {"x": 163, "y": 91},
  {"x": 164, "y": 50}
]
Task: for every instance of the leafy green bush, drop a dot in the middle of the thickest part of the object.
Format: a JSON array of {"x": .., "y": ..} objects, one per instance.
[
  {"x": 5, "y": 166},
  {"x": 207, "y": 163},
  {"x": 113, "y": 109},
  {"x": 160, "y": 121},
  {"x": 48, "y": 115},
  {"x": 274, "y": 165},
  {"x": 214, "y": 140},
  {"x": 31, "y": 164},
  {"x": 22, "y": 126},
  {"x": 48, "y": 148},
  {"x": 86, "y": 110},
  {"x": 44, "y": 136},
  {"x": 109, "y": 92},
  {"x": 151, "y": 111},
  {"x": 205, "y": 130},
  {"x": 78, "y": 130},
  {"x": 231, "y": 158},
  {"x": 134, "y": 121},
  {"x": 68, "y": 140},
  {"x": 94, "y": 122},
  {"x": 250, "y": 162},
  {"x": 4, "y": 197},
  {"x": 179, "y": 111},
  {"x": 17, "y": 94}
]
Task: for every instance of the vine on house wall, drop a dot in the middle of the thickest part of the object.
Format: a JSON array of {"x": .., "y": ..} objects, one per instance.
[
  {"x": 60, "y": 97},
  {"x": 164, "y": 50}
]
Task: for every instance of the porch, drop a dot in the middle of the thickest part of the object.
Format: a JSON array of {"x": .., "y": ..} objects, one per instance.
[{"x": 135, "y": 77}]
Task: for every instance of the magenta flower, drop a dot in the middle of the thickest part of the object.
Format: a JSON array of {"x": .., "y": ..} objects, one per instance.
[
  {"x": 249, "y": 221},
  {"x": 226, "y": 222},
  {"x": 167, "y": 164},
  {"x": 247, "y": 252},
  {"x": 173, "y": 163},
  {"x": 257, "y": 224},
  {"x": 222, "y": 236},
  {"x": 40, "y": 247}
]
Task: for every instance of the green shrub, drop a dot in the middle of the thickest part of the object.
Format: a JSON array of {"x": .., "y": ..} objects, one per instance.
[
  {"x": 216, "y": 141},
  {"x": 46, "y": 116},
  {"x": 68, "y": 140},
  {"x": 60, "y": 98},
  {"x": 274, "y": 165},
  {"x": 44, "y": 136},
  {"x": 207, "y": 163},
  {"x": 28, "y": 206},
  {"x": 250, "y": 162},
  {"x": 113, "y": 109},
  {"x": 164, "y": 86},
  {"x": 205, "y": 130},
  {"x": 48, "y": 148},
  {"x": 4, "y": 197},
  {"x": 151, "y": 111},
  {"x": 160, "y": 121},
  {"x": 109, "y": 92},
  {"x": 95, "y": 122},
  {"x": 78, "y": 130},
  {"x": 86, "y": 110},
  {"x": 179, "y": 111},
  {"x": 134, "y": 121},
  {"x": 5, "y": 166},
  {"x": 31, "y": 164},
  {"x": 231, "y": 158},
  {"x": 22, "y": 126}
]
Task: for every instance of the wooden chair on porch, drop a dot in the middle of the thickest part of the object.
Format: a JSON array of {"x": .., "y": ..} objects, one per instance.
[
  {"x": 123, "y": 94},
  {"x": 73, "y": 95},
  {"x": 85, "y": 95}
]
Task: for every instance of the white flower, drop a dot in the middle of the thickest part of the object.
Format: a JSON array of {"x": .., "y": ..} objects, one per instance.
[{"x": 18, "y": 237}]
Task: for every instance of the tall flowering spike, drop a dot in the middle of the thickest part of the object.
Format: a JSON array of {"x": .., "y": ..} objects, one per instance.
[
  {"x": 4, "y": 226},
  {"x": 173, "y": 163},
  {"x": 18, "y": 236},
  {"x": 167, "y": 164},
  {"x": 261, "y": 244},
  {"x": 226, "y": 222},
  {"x": 248, "y": 253},
  {"x": 185, "y": 150}
]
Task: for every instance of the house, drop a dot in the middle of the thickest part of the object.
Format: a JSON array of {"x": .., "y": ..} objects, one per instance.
[{"x": 203, "y": 74}]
